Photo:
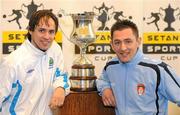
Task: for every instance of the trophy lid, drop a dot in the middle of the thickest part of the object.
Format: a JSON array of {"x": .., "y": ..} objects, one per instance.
[{"x": 83, "y": 16}]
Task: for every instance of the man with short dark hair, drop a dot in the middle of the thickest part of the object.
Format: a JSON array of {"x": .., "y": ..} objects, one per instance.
[{"x": 132, "y": 83}]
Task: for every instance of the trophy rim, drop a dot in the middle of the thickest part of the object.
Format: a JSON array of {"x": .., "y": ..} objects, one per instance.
[
  {"x": 82, "y": 16},
  {"x": 84, "y": 66},
  {"x": 83, "y": 78}
]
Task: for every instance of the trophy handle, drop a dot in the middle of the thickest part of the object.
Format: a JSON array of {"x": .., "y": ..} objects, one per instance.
[
  {"x": 60, "y": 14},
  {"x": 63, "y": 32}
]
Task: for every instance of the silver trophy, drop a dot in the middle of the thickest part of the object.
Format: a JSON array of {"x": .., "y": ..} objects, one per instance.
[{"x": 82, "y": 78}]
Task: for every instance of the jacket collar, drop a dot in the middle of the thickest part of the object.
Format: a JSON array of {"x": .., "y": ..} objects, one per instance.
[
  {"x": 136, "y": 59},
  {"x": 32, "y": 49}
]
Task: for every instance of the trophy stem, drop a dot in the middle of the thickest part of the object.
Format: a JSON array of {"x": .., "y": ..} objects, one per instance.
[
  {"x": 82, "y": 51},
  {"x": 82, "y": 59}
]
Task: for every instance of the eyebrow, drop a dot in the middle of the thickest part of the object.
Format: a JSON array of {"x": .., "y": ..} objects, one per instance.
[{"x": 115, "y": 39}]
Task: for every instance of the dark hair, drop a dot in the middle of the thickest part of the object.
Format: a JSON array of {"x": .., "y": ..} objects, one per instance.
[
  {"x": 124, "y": 24},
  {"x": 37, "y": 16}
]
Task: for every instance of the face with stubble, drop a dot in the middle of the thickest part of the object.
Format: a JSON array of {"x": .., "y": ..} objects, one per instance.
[{"x": 125, "y": 44}]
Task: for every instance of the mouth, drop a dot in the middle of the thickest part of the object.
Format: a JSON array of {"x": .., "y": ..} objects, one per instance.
[
  {"x": 124, "y": 54},
  {"x": 45, "y": 43}
]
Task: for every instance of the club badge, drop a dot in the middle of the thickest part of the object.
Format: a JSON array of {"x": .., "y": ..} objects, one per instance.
[
  {"x": 51, "y": 62},
  {"x": 140, "y": 89}
]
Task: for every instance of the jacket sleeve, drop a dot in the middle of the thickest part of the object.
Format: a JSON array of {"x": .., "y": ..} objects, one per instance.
[
  {"x": 103, "y": 82},
  {"x": 170, "y": 87},
  {"x": 61, "y": 78},
  {"x": 7, "y": 77}
]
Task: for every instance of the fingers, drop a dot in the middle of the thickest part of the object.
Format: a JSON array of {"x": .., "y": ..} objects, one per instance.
[
  {"x": 60, "y": 103},
  {"x": 56, "y": 102},
  {"x": 57, "y": 99},
  {"x": 109, "y": 101},
  {"x": 108, "y": 98},
  {"x": 53, "y": 107},
  {"x": 53, "y": 104}
]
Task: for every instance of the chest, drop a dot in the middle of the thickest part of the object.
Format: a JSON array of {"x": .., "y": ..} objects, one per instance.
[
  {"x": 36, "y": 72},
  {"x": 132, "y": 79}
]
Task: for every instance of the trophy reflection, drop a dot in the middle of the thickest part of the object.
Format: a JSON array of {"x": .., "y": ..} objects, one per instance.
[{"x": 82, "y": 77}]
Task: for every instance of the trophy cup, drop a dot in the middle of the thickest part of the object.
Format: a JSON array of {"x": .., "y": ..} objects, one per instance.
[{"x": 82, "y": 77}]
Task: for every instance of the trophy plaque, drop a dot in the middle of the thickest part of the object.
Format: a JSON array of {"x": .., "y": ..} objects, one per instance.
[{"x": 82, "y": 77}]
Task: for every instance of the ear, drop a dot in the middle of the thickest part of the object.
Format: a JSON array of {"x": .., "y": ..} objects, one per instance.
[
  {"x": 111, "y": 42},
  {"x": 30, "y": 32},
  {"x": 139, "y": 40}
]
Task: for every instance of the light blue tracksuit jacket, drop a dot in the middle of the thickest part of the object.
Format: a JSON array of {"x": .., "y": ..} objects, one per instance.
[{"x": 159, "y": 82}]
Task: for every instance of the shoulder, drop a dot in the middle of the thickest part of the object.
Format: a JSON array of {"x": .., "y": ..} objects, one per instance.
[
  {"x": 155, "y": 64},
  {"x": 55, "y": 48},
  {"x": 55, "y": 51},
  {"x": 16, "y": 56},
  {"x": 111, "y": 62},
  {"x": 55, "y": 45}
]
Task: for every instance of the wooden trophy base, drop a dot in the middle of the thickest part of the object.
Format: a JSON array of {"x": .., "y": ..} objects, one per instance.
[{"x": 84, "y": 103}]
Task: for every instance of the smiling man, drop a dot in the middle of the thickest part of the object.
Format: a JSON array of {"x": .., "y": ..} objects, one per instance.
[
  {"x": 132, "y": 83},
  {"x": 33, "y": 80}
]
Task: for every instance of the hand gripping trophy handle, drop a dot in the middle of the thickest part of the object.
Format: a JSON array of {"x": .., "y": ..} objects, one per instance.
[{"x": 82, "y": 78}]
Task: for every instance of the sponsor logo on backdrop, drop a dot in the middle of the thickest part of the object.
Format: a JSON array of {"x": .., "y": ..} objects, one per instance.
[
  {"x": 11, "y": 40},
  {"x": 24, "y": 11},
  {"x": 166, "y": 38},
  {"x": 107, "y": 13}
]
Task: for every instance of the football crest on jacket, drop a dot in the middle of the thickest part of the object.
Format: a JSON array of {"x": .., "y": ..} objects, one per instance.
[{"x": 140, "y": 89}]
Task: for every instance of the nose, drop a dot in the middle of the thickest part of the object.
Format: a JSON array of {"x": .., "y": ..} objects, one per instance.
[
  {"x": 46, "y": 35},
  {"x": 123, "y": 46}
]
